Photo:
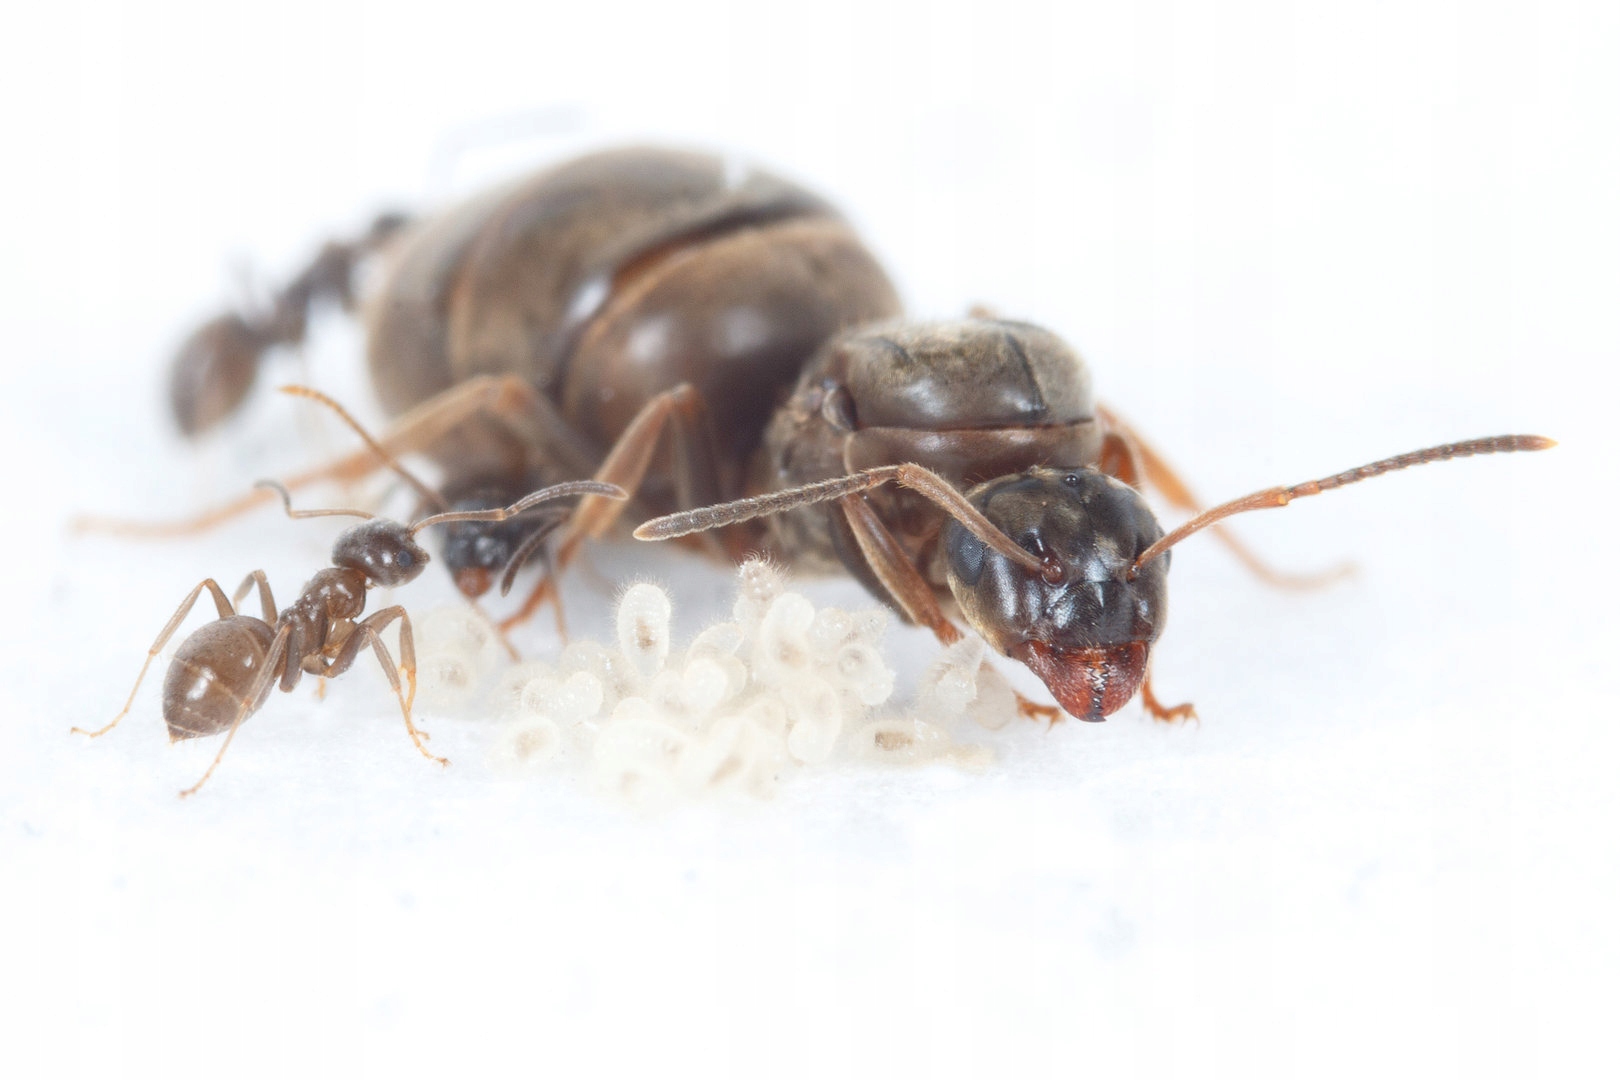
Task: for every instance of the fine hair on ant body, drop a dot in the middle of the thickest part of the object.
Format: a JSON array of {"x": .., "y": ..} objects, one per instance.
[{"x": 223, "y": 672}]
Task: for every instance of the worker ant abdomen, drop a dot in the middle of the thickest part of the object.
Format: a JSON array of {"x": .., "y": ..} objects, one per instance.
[{"x": 210, "y": 674}]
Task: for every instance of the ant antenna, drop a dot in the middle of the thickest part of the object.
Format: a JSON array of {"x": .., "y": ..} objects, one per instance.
[
  {"x": 927, "y": 484},
  {"x": 286, "y": 501},
  {"x": 1282, "y": 496},
  {"x": 525, "y": 551},
  {"x": 428, "y": 495},
  {"x": 534, "y": 498}
]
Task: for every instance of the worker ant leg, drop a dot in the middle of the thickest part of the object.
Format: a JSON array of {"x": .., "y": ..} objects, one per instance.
[
  {"x": 266, "y": 602},
  {"x": 226, "y": 610},
  {"x": 369, "y": 631}
]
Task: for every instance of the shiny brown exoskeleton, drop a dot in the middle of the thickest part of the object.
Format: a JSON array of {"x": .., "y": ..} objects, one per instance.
[
  {"x": 224, "y": 672},
  {"x": 569, "y": 321}
]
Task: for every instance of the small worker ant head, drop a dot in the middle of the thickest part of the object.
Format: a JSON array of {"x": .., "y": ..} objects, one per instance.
[
  {"x": 1085, "y": 621},
  {"x": 383, "y": 550}
]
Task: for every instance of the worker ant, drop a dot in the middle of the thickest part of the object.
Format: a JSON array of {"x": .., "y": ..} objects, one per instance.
[{"x": 223, "y": 673}]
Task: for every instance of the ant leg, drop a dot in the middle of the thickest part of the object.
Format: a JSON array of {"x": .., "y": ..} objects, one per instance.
[
  {"x": 418, "y": 429},
  {"x": 1129, "y": 457},
  {"x": 1118, "y": 458},
  {"x": 681, "y": 411},
  {"x": 1034, "y": 710},
  {"x": 261, "y": 684},
  {"x": 1156, "y": 709},
  {"x": 906, "y": 589},
  {"x": 226, "y": 610},
  {"x": 369, "y": 631},
  {"x": 266, "y": 601}
]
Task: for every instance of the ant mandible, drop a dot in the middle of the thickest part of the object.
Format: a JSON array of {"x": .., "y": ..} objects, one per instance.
[{"x": 223, "y": 672}]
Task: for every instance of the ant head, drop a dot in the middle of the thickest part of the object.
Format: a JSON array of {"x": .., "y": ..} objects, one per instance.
[
  {"x": 383, "y": 550},
  {"x": 1085, "y": 621}
]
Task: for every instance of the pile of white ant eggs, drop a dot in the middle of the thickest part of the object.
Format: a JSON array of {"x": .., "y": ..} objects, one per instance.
[{"x": 781, "y": 686}]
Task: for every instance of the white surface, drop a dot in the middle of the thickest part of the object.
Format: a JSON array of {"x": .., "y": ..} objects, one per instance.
[{"x": 1287, "y": 242}]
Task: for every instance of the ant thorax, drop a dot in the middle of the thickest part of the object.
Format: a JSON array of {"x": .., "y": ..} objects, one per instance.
[{"x": 970, "y": 400}]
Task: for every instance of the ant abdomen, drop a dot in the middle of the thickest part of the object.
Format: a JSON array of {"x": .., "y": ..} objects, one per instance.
[{"x": 211, "y": 672}]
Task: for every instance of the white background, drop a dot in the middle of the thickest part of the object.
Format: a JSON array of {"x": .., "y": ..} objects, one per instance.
[{"x": 1287, "y": 238}]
